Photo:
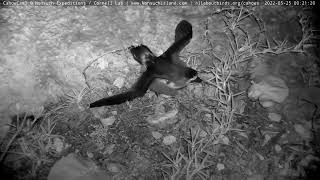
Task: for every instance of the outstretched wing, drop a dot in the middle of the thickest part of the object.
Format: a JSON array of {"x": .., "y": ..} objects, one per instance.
[
  {"x": 183, "y": 29},
  {"x": 137, "y": 90},
  {"x": 183, "y": 35}
]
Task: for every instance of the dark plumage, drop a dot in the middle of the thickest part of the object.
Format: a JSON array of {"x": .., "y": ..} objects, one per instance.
[{"x": 167, "y": 69}]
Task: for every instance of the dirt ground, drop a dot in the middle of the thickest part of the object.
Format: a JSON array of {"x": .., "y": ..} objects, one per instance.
[{"x": 198, "y": 137}]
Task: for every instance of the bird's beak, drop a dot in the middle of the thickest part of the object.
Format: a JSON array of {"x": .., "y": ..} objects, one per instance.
[{"x": 196, "y": 80}]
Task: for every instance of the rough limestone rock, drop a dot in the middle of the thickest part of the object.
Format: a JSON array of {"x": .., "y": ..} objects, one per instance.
[
  {"x": 73, "y": 167},
  {"x": 269, "y": 89},
  {"x": 46, "y": 51},
  {"x": 274, "y": 117},
  {"x": 168, "y": 140}
]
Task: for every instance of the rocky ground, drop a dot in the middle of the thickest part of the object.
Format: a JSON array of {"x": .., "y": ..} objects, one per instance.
[{"x": 254, "y": 117}]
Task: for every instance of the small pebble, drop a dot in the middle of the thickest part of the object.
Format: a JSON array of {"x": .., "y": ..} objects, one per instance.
[
  {"x": 156, "y": 135},
  {"x": 220, "y": 166},
  {"x": 168, "y": 140},
  {"x": 274, "y": 117}
]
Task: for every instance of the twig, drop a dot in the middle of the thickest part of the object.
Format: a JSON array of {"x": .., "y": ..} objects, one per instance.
[
  {"x": 94, "y": 60},
  {"x": 13, "y": 138}
]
